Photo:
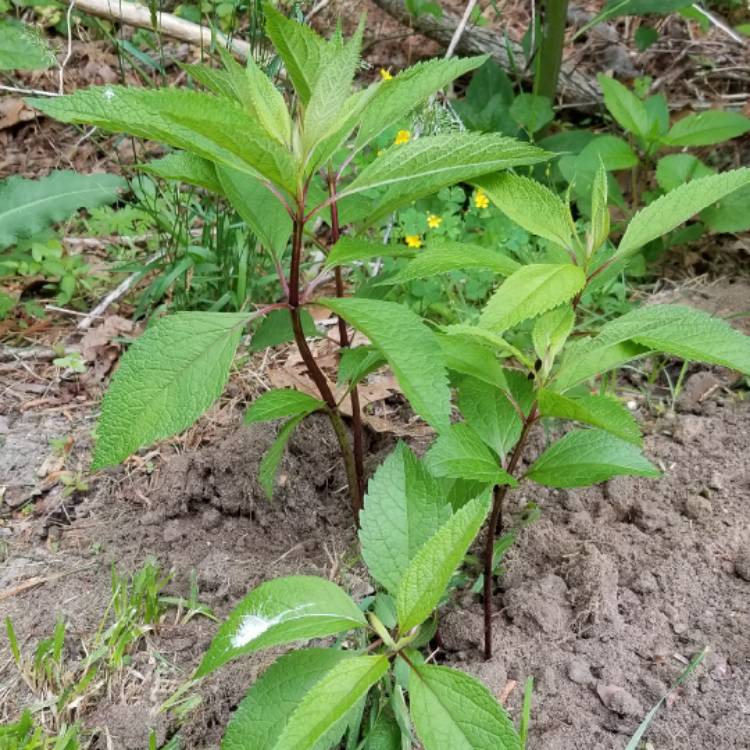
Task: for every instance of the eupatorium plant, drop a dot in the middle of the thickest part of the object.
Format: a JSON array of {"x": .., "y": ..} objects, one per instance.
[
  {"x": 283, "y": 165},
  {"x": 548, "y": 371},
  {"x": 374, "y": 687}
]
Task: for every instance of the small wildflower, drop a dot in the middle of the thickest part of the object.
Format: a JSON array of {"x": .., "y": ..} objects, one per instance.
[
  {"x": 413, "y": 240},
  {"x": 402, "y": 137},
  {"x": 434, "y": 221},
  {"x": 481, "y": 200},
  {"x": 385, "y": 74}
]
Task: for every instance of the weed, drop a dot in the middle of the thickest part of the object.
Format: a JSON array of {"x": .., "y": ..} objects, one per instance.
[{"x": 64, "y": 686}]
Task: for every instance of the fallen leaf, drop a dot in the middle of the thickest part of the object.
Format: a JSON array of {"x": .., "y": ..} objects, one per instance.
[{"x": 12, "y": 111}]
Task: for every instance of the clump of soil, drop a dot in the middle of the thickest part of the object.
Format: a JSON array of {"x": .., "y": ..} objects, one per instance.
[
  {"x": 603, "y": 601},
  {"x": 609, "y": 594}
]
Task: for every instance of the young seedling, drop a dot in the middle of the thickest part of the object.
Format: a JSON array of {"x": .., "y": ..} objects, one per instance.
[
  {"x": 284, "y": 166},
  {"x": 656, "y": 150},
  {"x": 374, "y": 686}
]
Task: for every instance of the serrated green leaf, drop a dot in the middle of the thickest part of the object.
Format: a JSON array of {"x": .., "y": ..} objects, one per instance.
[
  {"x": 453, "y": 710},
  {"x": 425, "y": 580},
  {"x": 22, "y": 48},
  {"x": 260, "y": 98},
  {"x": 215, "y": 128},
  {"x": 671, "y": 210},
  {"x": 531, "y": 205},
  {"x": 29, "y": 206},
  {"x": 707, "y": 128},
  {"x": 531, "y": 111},
  {"x": 531, "y": 291},
  {"x": 459, "y": 452},
  {"x": 487, "y": 338},
  {"x": 396, "y": 98},
  {"x": 266, "y": 709},
  {"x": 404, "y": 506},
  {"x": 584, "y": 359},
  {"x": 409, "y": 346},
  {"x": 354, "y": 249},
  {"x": 385, "y": 733},
  {"x": 187, "y": 168},
  {"x": 276, "y": 328},
  {"x": 264, "y": 214},
  {"x": 330, "y": 699},
  {"x": 356, "y": 364},
  {"x": 283, "y": 610},
  {"x": 600, "y": 220},
  {"x": 215, "y": 80},
  {"x": 331, "y": 90},
  {"x": 585, "y": 457},
  {"x": 472, "y": 358},
  {"x": 624, "y": 106},
  {"x": 348, "y": 118},
  {"x": 551, "y": 331},
  {"x": 730, "y": 214},
  {"x": 442, "y": 256},
  {"x": 300, "y": 48},
  {"x": 605, "y": 412},
  {"x": 673, "y": 329},
  {"x": 427, "y": 164},
  {"x": 165, "y": 381},
  {"x": 269, "y": 464},
  {"x": 489, "y": 412},
  {"x": 281, "y": 402},
  {"x": 674, "y": 170}
]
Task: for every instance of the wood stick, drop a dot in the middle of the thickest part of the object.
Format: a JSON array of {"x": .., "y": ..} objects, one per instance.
[
  {"x": 573, "y": 86},
  {"x": 166, "y": 23}
]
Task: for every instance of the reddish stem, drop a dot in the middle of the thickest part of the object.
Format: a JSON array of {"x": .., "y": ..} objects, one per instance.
[
  {"x": 313, "y": 370},
  {"x": 495, "y": 526},
  {"x": 357, "y": 427}
]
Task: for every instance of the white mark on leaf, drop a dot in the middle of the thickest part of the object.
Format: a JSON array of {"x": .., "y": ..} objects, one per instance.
[
  {"x": 109, "y": 95},
  {"x": 254, "y": 625}
]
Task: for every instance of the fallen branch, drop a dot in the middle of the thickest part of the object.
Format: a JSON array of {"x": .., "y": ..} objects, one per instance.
[
  {"x": 574, "y": 85},
  {"x": 114, "y": 295},
  {"x": 166, "y": 23}
]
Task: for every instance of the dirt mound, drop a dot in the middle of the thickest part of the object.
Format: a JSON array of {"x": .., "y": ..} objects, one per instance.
[
  {"x": 609, "y": 594},
  {"x": 604, "y": 598}
]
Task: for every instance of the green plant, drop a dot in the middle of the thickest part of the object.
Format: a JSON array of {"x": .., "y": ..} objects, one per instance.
[
  {"x": 282, "y": 170},
  {"x": 63, "y": 687},
  {"x": 635, "y": 740},
  {"x": 22, "y": 48},
  {"x": 532, "y": 322},
  {"x": 26, "y": 734},
  {"x": 646, "y": 123},
  {"x": 551, "y": 47},
  {"x": 28, "y": 208},
  {"x": 357, "y": 691}
]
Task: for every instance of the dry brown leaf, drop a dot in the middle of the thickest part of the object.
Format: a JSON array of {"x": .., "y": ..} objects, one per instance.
[
  {"x": 12, "y": 111},
  {"x": 101, "y": 336}
]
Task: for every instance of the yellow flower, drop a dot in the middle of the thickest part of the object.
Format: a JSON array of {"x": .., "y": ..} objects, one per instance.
[
  {"x": 402, "y": 137},
  {"x": 413, "y": 240},
  {"x": 433, "y": 221},
  {"x": 481, "y": 200},
  {"x": 385, "y": 74}
]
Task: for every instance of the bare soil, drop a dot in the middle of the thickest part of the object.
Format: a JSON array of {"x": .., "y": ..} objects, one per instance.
[{"x": 603, "y": 601}]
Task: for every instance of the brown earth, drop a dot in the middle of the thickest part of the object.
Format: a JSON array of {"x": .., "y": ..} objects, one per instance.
[{"x": 603, "y": 601}]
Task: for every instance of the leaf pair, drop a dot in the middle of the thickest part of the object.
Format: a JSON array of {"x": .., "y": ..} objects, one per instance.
[
  {"x": 411, "y": 541},
  {"x": 304, "y": 701}
]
